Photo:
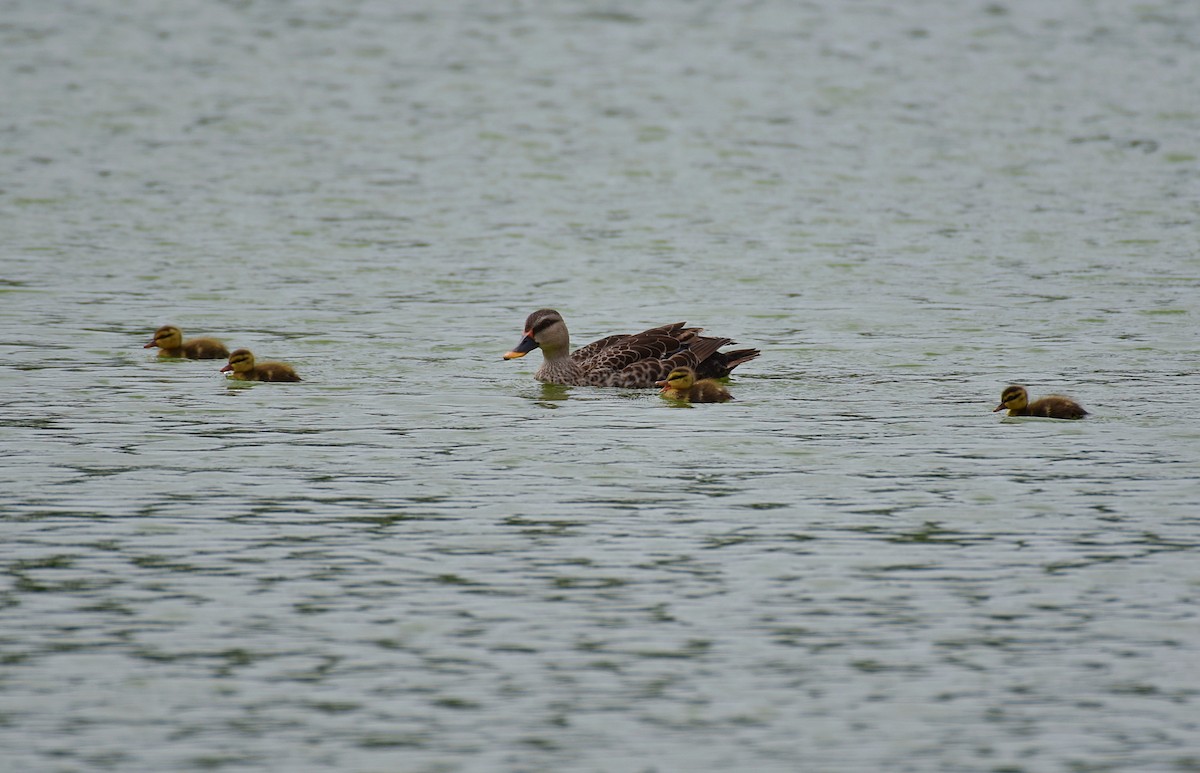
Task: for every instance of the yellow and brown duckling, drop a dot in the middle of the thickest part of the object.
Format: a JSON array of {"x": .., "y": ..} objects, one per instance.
[
  {"x": 681, "y": 384},
  {"x": 170, "y": 343},
  {"x": 241, "y": 366},
  {"x": 1016, "y": 400}
]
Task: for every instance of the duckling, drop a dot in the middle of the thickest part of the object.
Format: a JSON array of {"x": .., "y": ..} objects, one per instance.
[
  {"x": 170, "y": 343},
  {"x": 1016, "y": 400},
  {"x": 681, "y": 384},
  {"x": 241, "y": 363}
]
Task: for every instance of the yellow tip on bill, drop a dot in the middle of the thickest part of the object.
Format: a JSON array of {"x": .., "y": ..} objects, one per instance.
[{"x": 513, "y": 355}]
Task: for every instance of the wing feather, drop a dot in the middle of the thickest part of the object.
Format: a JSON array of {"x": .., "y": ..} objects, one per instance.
[{"x": 643, "y": 372}]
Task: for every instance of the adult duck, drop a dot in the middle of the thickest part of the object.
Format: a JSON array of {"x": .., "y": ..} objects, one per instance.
[{"x": 634, "y": 361}]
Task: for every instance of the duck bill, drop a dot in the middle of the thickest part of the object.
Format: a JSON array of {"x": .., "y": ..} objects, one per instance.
[
  {"x": 227, "y": 367},
  {"x": 999, "y": 407},
  {"x": 526, "y": 346},
  {"x": 665, "y": 386},
  {"x": 150, "y": 345}
]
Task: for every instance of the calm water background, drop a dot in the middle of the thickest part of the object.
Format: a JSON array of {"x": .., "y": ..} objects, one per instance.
[{"x": 420, "y": 559}]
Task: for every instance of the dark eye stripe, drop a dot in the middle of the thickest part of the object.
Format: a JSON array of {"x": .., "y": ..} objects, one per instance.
[{"x": 545, "y": 323}]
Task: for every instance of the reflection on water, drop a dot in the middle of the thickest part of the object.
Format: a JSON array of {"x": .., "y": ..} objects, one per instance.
[
  {"x": 548, "y": 395},
  {"x": 405, "y": 563}
]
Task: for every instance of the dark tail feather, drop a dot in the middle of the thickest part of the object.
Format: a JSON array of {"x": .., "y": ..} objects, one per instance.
[
  {"x": 720, "y": 364},
  {"x": 702, "y": 349}
]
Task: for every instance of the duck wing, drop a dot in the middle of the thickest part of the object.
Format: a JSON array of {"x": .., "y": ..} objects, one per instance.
[
  {"x": 585, "y": 353},
  {"x": 643, "y": 372},
  {"x": 675, "y": 330},
  {"x": 638, "y": 360},
  {"x": 618, "y": 355}
]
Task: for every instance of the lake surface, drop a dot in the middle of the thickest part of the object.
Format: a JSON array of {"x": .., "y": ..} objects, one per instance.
[{"x": 421, "y": 559}]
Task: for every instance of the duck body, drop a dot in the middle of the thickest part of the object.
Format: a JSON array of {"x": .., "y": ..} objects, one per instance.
[
  {"x": 241, "y": 366},
  {"x": 1016, "y": 399},
  {"x": 634, "y": 361},
  {"x": 681, "y": 384},
  {"x": 170, "y": 343}
]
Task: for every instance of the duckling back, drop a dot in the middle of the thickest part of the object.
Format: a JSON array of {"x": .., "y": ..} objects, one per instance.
[
  {"x": 708, "y": 391},
  {"x": 204, "y": 349},
  {"x": 1056, "y": 407},
  {"x": 274, "y": 371}
]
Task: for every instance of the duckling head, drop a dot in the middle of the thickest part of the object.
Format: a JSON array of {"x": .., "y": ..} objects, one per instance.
[
  {"x": 680, "y": 379},
  {"x": 1014, "y": 398},
  {"x": 546, "y": 330},
  {"x": 166, "y": 337},
  {"x": 240, "y": 361}
]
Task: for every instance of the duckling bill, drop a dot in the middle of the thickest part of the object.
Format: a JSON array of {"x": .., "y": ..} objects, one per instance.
[
  {"x": 170, "y": 343},
  {"x": 1016, "y": 399},
  {"x": 241, "y": 366},
  {"x": 681, "y": 384}
]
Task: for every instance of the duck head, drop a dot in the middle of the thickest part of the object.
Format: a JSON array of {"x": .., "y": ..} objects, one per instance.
[
  {"x": 1014, "y": 398},
  {"x": 546, "y": 330},
  {"x": 240, "y": 361},
  {"x": 166, "y": 337},
  {"x": 680, "y": 379}
]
